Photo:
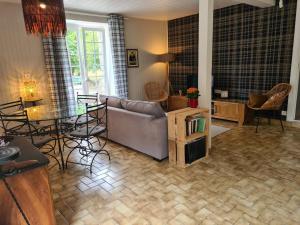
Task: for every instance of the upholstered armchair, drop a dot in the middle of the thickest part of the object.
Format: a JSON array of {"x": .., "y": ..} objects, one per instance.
[{"x": 271, "y": 101}]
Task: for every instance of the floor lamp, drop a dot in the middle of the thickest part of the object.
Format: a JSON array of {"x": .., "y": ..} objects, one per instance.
[{"x": 167, "y": 58}]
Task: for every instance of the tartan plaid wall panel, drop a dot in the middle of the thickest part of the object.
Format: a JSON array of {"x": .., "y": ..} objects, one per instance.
[
  {"x": 252, "y": 48},
  {"x": 183, "y": 42}
]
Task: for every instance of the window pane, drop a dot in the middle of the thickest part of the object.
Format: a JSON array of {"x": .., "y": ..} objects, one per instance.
[
  {"x": 72, "y": 44},
  {"x": 94, "y": 58},
  {"x": 98, "y": 36},
  {"x": 89, "y": 36}
]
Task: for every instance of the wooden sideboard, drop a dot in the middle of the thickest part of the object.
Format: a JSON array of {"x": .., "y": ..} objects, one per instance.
[
  {"x": 233, "y": 110},
  {"x": 25, "y": 193}
]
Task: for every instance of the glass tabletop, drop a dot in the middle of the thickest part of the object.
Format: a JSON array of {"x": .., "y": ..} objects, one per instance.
[{"x": 47, "y": 112}]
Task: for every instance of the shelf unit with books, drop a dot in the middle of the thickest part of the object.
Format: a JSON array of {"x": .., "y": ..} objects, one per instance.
[{"x": 179, "y": 135}]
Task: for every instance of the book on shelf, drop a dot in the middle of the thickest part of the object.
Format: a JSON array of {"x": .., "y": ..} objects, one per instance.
[{"x": 195, "y": 124}]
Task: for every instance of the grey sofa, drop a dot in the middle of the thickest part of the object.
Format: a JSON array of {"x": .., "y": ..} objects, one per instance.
[{"x": 139, "y": 125}]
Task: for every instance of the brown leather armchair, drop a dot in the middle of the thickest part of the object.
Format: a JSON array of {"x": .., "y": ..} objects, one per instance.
[{"x": 271, "y": 101}]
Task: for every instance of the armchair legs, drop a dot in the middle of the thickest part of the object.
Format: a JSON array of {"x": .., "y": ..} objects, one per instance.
[
  {"x": 257, "y": 115},
  {"x": 270, "y": 113}
]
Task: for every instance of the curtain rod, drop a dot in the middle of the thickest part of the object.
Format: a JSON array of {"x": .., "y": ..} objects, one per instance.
[{"x": 88, "y": 14}]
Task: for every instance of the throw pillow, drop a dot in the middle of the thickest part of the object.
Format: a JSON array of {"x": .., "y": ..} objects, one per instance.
[
  {"x": 257, "y": 100},
  {"x": 275, "y": 101}
]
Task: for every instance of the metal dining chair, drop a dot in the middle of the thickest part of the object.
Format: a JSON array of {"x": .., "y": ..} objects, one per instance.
[
  {"x": 74, "y": 122},
  {"x": 45, "y": 142},
  {"x": 14, "y": 128},
  {"x": 10, "y": 127},
  {"x": 91, "y": 138}
]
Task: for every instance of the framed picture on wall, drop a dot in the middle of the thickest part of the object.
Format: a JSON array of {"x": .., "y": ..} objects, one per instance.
[{"x": 132, "y": 58}]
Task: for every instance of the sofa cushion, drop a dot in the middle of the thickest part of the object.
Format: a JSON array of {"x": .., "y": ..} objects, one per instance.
[
  {"x": 149, "y": 108},
  {"x": 112, "y": 101}
]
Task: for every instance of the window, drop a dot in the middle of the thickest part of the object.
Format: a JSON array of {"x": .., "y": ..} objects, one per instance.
[{"x": 90, "y": 58}]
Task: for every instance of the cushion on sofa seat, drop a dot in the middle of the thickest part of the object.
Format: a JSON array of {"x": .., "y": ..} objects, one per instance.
[
  {"x": 112, "y": 101},
  {"x": 149, "y": 108}
]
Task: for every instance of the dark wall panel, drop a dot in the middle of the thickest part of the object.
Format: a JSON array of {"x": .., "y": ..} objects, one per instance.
[
  {"x": 183, "y": 41},
  {"x": 252, "y": 48}
]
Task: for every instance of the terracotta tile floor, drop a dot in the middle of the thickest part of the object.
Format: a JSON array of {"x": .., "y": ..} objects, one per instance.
[{"x": 248, "y": 179}]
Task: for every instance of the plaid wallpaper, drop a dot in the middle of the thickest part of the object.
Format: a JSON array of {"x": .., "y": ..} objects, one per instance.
[
  {"x": 252, "y": 48},
  {"x": 183, "y": 41}
]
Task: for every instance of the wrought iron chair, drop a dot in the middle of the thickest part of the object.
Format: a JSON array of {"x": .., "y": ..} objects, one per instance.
[
  {"x": 14, "y": 128},
  {"x": 45, "y": 142},
  {"x": 11, "y": 107},
  {"x": 87, "y": 136},
  {"x": 74, "y": 122},
  {"x": 272, "y": 101}
]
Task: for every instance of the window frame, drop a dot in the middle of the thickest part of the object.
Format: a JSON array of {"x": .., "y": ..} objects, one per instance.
[
  {"x": 102, "y": 32},
  {"x": 81, "y": 51}
]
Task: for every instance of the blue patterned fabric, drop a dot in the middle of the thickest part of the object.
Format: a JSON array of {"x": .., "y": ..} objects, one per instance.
[
  {"x": 59, "y": 72},
  {"x": 117, "y": 36}
]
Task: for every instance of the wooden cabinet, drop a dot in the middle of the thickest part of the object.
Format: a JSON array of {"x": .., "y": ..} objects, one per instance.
[
  {"x": 26, "y": 199},
  {"x": 177, "y": 138},
  {"x": 229, "y": 110}
]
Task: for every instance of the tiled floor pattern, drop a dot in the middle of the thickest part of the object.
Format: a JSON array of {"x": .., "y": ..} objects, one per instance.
[{"x": 248, "y": 179}]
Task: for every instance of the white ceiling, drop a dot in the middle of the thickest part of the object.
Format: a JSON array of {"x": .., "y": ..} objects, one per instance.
[{"x": 149, "y": 9}]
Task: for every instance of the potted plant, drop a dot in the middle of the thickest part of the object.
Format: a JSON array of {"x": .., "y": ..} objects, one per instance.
[{"x": 192, "y": 95}]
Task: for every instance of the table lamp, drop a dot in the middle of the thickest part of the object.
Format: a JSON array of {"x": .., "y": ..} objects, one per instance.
[{"x": 30, "y": 88}]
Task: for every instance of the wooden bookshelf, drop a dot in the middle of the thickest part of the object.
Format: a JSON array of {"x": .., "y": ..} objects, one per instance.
[{"x": 177, "y": 138}]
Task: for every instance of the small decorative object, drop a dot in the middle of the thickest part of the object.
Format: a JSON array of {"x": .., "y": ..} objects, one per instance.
[
  {"x": 132, "y": 58},
  {"x": 30, "y": 88},
  {"x": 224, "y": 94},
  {"x": 192, "y": 95},
  {"x": 8, "y": 153},
  {"x": 46, "y": 17}
]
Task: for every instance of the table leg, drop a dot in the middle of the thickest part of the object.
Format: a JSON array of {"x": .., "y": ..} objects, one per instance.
[{"x": 59, "y": 145}]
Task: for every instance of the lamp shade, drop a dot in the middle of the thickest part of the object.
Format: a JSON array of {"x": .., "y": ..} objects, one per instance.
[
  {"x": 167, "y": 57},
  {"x": 44, "y": 17}
]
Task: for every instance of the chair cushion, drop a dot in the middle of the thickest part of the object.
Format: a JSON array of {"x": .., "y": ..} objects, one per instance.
[
  {"x": 112, "y": 101},
  {"x": 93, "y": 131},
  {"x": 257, "y": 100},
  {"x": 39, "y": 141},
  {"x": 275, "y": 101},
  {"x": 82, "y": 120},
  {"x": 144, "y": 107}
]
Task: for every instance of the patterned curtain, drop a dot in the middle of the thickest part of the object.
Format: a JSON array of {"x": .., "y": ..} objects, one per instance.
[
  {"x": 117, "y": 36},
  {"x": 59, "y": 71}
]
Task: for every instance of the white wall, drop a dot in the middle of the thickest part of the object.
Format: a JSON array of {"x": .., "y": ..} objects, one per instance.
[
  {"x": 150, "y": 38},
  {"x": 19, "y": 54},
  {"x": 295, "y": 70}
]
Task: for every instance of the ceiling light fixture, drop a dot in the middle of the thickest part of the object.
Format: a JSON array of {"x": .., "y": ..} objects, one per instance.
[
  {"x": 46, "y": 17},
  {"x": 43, "y": 5}
]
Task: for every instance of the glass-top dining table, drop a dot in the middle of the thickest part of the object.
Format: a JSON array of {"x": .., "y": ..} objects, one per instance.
[{"x": 42, "y": 113}]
